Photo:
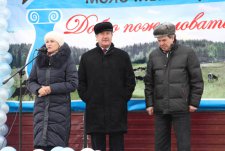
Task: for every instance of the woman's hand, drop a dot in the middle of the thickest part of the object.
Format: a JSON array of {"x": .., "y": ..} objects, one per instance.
[{"x": 44, "y": 90}]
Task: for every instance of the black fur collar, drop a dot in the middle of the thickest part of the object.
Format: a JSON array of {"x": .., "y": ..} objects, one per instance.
[{"x": 57, "y": 60}]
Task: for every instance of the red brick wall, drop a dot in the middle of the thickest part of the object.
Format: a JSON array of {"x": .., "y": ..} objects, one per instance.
[{"x": 208, "y": 132}]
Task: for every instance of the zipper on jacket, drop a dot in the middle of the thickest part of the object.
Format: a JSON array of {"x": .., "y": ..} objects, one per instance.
[
  {"x": 168, "y": 57},
  {"x": 47, "y": 102}
]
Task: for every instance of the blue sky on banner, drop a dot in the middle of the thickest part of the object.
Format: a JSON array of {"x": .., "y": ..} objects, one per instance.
[{"x": 213, "y": 10}]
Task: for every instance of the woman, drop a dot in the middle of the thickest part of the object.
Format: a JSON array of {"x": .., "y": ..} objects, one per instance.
[{"x": 52, "y": 78}]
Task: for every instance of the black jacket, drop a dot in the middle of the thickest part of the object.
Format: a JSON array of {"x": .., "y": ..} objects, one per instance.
[
  {"x": 52, "y": 112},
  {"x": 173, "y": 83},
  {"x": 106, "y": 83}
]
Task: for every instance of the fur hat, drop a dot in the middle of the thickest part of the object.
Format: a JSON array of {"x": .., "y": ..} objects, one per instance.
[
  {"x": 164, "y": 29},
  {"x": 55, "y": 36},
  {"x": 103, "y": 26}
]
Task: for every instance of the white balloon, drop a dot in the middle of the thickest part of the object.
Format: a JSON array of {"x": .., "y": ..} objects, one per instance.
[
  {"x": 38, "y": 150},
  {"x": 4, "y": 129},
  {"x": 3, "y": 142},
  {"x": 67, "y": 149},
  {"x": 1, "y": 101},
  {"x": 3, "y": 3},
  {"x": 87, "y": 149},
  {"x": 5, "y": 69},
  {"x": 5, "y": 57},
  {"x": 57, "y": 148},
  {"x": 9, "y": 84},
  {"x": 4, "y": 93},
  {"x": 3, "y": 117},
  {"x": 5, "y": 35},
  {"x": 10, "y": 92},
  {"x": 8, "y": 57},
  {"x": 8, "y": 148},
  {"x": 4, "y": 45},
  {"x": 4, "y": 107},
  {"x": 5, "y": 13},
  {"x": 3, "y": 24}
]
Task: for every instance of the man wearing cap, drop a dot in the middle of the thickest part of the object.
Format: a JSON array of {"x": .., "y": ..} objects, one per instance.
[
  {"x": 173, "y": 88},
  {"x": 106, "y": 83}
]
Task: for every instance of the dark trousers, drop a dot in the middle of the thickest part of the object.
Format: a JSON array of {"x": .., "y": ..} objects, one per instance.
[
  {"x": 116, "y": 141},
  {"x": 181, "y": 124}
]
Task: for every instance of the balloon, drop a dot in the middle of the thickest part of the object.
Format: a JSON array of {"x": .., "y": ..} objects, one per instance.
[
  {"x": 5, "y": 57},
  {"x": 38, "y": 150},
  {"x": 3, "y": 24},
  {"x": 4, "y": 45},
  {"x": 3, "y": 117},
  {"x": 3, "y": 3},
  {"x": 4, "y": 130},
  {"x": 57, "y": 148},
  {"x": 10, "y": 92},
  {"x": 4, "y": 107},
  {"x": 87, "y": 149},
  {"x": 5, "y": 13},
  {"x": 9, "y": 84},
  {"x": 5, "y": 69},
  {"x": 67, "y": 149},
  {"x": 4, "y": 35},
  {"x": 3, "y": 142},
  {"x": 4, "y": 93},
  {"x": 8, "y": 148},
  {"x": 8, "y": 57}
]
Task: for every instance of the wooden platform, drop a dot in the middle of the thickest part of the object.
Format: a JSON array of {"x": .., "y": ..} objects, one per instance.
[{"x": 208, "y": 132}]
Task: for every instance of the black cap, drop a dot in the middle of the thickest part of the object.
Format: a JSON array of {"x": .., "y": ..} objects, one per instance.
[
  {"x": 103, "y": 26},
  {"x": 164, "y": 29}
]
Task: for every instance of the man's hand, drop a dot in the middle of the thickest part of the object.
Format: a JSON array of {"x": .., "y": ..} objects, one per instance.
[
  {"x": 150, "y": 110},
  {"x": 192, "y": 108}
]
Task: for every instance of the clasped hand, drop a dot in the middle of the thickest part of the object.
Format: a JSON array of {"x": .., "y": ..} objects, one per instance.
[{"x": 44, "y": 90}]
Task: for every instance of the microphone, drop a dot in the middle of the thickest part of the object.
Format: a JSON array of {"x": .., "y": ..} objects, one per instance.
[{"x": 42, "y": 49}]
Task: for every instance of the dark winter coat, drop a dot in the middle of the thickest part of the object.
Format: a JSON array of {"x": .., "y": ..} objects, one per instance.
[
  {"x": 173, "y": 82},
  {"x": 106, "y": 83},
  {"x": 52, "y": 112}
]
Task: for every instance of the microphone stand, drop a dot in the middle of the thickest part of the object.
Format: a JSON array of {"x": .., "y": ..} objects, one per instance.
[{"x": 21, "y": 73}]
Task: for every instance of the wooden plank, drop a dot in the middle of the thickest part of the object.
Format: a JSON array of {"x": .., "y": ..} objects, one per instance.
[{"x": 208, "y": 132}]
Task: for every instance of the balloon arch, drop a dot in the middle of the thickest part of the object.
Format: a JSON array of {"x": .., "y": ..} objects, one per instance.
[{"x": 5, "y": 71}]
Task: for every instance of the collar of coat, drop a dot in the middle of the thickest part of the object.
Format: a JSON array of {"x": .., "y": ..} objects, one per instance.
[
  {"x": 109, "y": 51},
  {"x": 174, "y": 46},
  {"x": 56, "y": 60}
]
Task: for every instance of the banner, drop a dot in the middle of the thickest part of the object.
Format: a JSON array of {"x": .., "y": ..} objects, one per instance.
[{"x": 200, "y": 24}]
